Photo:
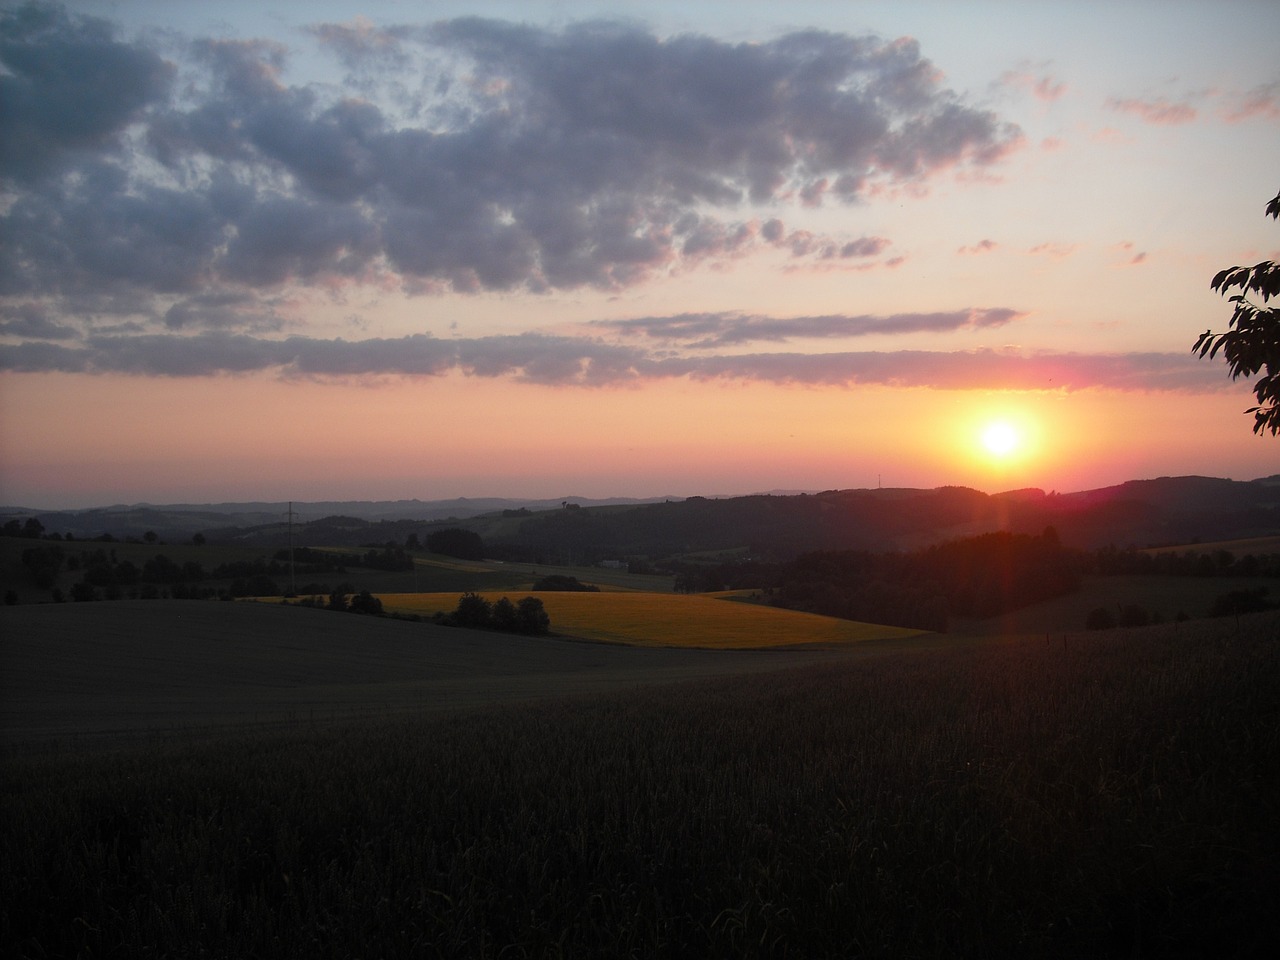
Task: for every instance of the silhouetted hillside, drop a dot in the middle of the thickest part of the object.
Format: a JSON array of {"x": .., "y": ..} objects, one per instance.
[
  {"x": 1140, "y": 513},
  {"x": 1162, "y": 511}
]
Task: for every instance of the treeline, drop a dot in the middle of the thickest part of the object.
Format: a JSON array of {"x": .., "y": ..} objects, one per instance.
[
  {"x": 30, "y": 529},
  {"x": 1108, "y": 561},
  {"x": 977, "y": 577},
  {"x": 104, "y": 574},
  {"x": 1233, "y": 603},
  {"x": 343, "y": 601},
  {"x": 33, "y": 529},
  {"x": 473, "y": 611}
]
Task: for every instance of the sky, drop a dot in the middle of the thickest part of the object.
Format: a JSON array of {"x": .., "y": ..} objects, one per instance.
[{"x": 382, "y": 250}]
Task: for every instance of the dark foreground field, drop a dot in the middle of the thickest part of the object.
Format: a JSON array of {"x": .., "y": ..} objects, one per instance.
[
  {"x": 1112, "y": 794},
  {"x": 109, "y": 670}
]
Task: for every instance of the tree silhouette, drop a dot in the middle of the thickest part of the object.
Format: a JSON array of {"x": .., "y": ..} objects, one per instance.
[{"x": 1253, "y": 342}]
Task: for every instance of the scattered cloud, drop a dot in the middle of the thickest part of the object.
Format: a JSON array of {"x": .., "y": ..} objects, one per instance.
[
  {"x": 982, "y": 246},
  {"x": 803, "y": 243},
  {"x": 1233, "y": 106}
]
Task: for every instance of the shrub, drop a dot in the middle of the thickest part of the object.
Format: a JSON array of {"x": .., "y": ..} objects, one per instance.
[
  {"x": 43, "y": 564},
  {"x": 473, "y": 610},
  {"x": 365, "y": 602},
  {"x": 1236, "y": 602},
  {"x": 505, "y": 616},
  {"x": 83, "y": 592},
  {"x": 532, "y": 618}
]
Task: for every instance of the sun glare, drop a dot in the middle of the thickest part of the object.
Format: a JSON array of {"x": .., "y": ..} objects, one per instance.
[{"x": 1000, "y": 439}]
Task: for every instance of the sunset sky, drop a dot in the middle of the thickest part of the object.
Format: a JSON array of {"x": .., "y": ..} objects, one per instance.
[{"x": 332, "y": 250}]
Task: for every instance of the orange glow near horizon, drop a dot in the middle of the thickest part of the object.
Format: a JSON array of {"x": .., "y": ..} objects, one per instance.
[{"x": 260, "y": 438}]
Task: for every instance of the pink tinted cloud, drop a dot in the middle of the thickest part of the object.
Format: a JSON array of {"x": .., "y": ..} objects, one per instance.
[
  {"x": 982, "y": 246},
  {"x": 1057, "y": 251},
  {"x": 1042, "y": 86},
  {"x": 1109, "y": 135},
  {"x": 1159, "y": 111},
  {"x": 1261, "y": 102},
  {"x": 1132, "y": 258}
]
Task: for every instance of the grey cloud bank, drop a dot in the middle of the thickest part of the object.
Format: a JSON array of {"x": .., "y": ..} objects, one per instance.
[
  {"x": 466, "y": 155},
  {"x": 579, "y": 361},
  {"x": 705, "y": 330}
]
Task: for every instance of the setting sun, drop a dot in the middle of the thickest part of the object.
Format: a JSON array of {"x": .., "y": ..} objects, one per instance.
[{"x": 1000, "y": 439}]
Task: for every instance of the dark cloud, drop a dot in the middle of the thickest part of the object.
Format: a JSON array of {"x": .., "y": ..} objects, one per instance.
[
  {"x": 67, "y": 86},
  {"x": 31, "y": 321},
  {"x": 282, "y": 239},
  {"x": 709, "y": 330},
  {"x": 803, "y": 243},
  {"x": 35, "y": 356},
  {"x": 529, "y": 159},
  {"x": 221, "y": 310},
  {"x": 580, "y": 362}
]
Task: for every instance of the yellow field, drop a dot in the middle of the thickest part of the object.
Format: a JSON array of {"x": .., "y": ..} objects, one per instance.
[{"x": 669, "y": 620}]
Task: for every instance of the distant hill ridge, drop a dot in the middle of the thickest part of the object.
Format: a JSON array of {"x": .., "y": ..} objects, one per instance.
[
  {"x": 1163, "y": 510},
  {"x": 193, "y": 517}
]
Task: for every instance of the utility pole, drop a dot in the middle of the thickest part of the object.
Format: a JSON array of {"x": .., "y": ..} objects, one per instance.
[{"x": 293, "y": 582}]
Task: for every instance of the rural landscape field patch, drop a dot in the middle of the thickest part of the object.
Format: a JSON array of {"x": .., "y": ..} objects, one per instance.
[{"x": 671, "y": 620}]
